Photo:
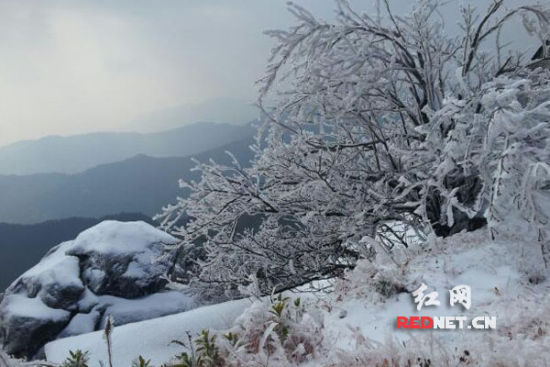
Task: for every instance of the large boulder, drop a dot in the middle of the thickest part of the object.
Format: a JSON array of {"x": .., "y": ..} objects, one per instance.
[
  {"x": 119, "y": 258},
  {"x": 110, "y": 269}
]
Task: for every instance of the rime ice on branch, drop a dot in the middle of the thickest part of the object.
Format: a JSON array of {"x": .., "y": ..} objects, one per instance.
[{"x": 382, "y": 127}]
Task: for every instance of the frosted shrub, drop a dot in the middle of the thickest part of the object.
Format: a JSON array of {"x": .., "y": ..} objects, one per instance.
[
  {"x": 276, "y": 333},
  {"x": 372, "y": 281},
  {"x": 202, "y": 352},
  {"x": 502, "y": 350},
  {"x": 77, "y": 358},
  {"x": 142, "y": 362},
  {"x": 504, "y": 134},
  {"x": 376, "y": 121}
]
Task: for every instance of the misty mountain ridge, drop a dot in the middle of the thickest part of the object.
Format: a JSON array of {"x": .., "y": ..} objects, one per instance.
[
  {"x": 141, "y": 184},
  {"x": 77, "y": 153},
  {"x": 224, "y": 110}
]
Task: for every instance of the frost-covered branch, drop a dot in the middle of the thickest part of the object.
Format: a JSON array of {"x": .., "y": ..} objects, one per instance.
[{"x": 381, "y": 127}]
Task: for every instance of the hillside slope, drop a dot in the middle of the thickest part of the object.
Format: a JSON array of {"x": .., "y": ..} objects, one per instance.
[
  {"x": 140, "y": 184},
  {"x": 356, "y": 325},
  {"x": 73, "y": 154}
]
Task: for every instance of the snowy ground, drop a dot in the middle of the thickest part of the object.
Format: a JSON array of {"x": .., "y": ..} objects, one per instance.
[
  {"x": 151, "y": 338},
  {"x": 505, "y": 278}
]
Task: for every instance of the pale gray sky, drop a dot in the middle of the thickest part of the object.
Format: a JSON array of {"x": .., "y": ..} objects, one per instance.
[{"x": 74, "y": 66}]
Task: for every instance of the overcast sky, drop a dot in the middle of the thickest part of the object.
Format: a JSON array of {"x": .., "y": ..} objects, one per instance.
[{"x": 73, "y": 66}]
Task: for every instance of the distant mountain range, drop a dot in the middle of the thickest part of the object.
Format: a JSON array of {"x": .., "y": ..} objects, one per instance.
[
  {"x": 88, "y": 187},
  {"x": 74, "y": 154},
  {"x": 140, "y": 184},
  {"x": 22, "y": 246},
  {"x": 223, "y": 110}
]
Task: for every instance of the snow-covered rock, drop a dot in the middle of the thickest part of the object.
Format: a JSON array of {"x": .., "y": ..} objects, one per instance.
[
  {"x": 152, "y": 338},
  {"x": 117, "y": 258},
  {"x": 109, "y": 269}
]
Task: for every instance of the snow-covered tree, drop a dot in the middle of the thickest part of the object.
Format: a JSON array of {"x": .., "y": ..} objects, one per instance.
[
  {"x": 503, "y": 135},
  {"x": 382, "y": 126}
]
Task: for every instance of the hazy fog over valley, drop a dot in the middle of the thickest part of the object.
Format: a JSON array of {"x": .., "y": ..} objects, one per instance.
[{"x": 73, "y": 67}]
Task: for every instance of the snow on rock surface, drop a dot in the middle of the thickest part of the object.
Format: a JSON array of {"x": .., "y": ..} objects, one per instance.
[
  {"x": 358, "y": 319},
  {"x": 117, "y": 258},
  {"x": 151, "y": 338},
  {"x": 109, "y": 269}
]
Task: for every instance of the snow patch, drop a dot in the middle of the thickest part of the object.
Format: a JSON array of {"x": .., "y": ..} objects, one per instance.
[
  {"x": 151, "y": 338},
  {"x": 113, "y": 238},
  {"x": 32, "y": 308}
]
